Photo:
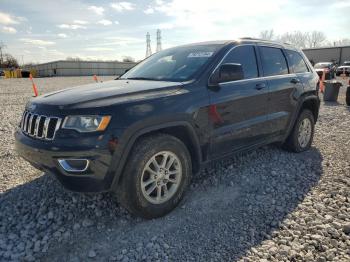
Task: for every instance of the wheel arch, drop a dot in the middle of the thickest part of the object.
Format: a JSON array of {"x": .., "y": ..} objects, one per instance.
[
  {"x": 311, "y": 103},
  {"x": 308, "y": 101},
  {"x": 182, "y": 130}
]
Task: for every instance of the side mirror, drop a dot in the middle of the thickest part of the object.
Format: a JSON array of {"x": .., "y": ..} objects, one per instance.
[{"x": 227, "y": 73}]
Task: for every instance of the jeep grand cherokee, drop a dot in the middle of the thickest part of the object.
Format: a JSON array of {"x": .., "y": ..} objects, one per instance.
[{"x": 143, "y": 135}]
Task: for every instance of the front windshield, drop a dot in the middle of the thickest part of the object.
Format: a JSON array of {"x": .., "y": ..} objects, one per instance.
[
  {"x": 322, "y": 65},
  {"x": 175, "y": 64}
]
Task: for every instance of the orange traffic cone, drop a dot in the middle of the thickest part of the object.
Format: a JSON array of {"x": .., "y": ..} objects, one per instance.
[
  {"x": 323, "y": 78},
  {"x": 34, "y": 86},
  {"x": 95, "y": 78}
]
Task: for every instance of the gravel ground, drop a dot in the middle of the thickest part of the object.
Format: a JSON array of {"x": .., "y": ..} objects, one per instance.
[{"x": 266, "y": 205}]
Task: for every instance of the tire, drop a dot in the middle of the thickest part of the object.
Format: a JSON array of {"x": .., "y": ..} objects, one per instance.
[
  {"x": 347, "y": 98},
  {"x": 293, "y": 143},
  {"x": 131, "y": 193}
]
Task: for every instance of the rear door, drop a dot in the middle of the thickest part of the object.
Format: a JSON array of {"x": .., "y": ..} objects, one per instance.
[
  {"x": 298, "y": 66},
  {"x": 284, "y": 89},
  {"x": 238, "y": 109}
]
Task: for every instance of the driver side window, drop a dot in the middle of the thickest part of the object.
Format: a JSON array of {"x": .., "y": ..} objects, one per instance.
[{"x": 244, "y": 55}]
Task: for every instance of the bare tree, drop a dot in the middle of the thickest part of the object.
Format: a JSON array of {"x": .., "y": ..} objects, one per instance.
[
  {"x": 10, "y": 61},
  {"x": 296, "y": 38},
  {"x": 267, "y": 34},
  {"x": 2, "y": 46},
  {"x": 128, "y": 59},
  {"x": 71, "y": 58},
  {"x": 341, "y": 42},
  {"x": 315, "y": 39}
]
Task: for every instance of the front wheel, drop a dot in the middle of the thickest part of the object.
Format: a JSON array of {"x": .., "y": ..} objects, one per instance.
[
  {"x": 156, "y": 176},
  {"x": 302, "y": 134}
]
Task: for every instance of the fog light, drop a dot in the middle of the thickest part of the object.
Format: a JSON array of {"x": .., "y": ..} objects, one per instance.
[{"x": 74, "y": 165}]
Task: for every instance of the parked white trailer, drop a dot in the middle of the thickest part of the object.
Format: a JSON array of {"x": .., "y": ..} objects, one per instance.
[{"x": 80, "y": 68}]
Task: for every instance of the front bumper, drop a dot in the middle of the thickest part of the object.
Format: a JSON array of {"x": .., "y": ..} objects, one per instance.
[{"x": 44, "y": 155}]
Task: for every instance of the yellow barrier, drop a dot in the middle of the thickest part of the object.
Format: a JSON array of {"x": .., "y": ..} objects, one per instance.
[
  {"x": 33, "y": 72},
  {"x": 18, "y": 73},
  {"x": 13, "y": 74},
  {"x": 7, "y": 74}
]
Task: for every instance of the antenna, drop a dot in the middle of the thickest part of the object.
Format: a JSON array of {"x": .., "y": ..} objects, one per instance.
[
  {"x": 148, "y": 43},
  {"x": 159, "y": 41}
]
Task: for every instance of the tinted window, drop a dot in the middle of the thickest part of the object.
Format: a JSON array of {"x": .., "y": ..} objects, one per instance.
[
  {"x": 273, "y": 61},
  {"x": 296, "y": 61},
  {"x": 244, "y": 55}
]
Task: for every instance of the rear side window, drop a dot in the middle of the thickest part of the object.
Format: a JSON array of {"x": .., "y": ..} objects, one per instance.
[
  {"x": 296, "y": 62},
  {"x": 244, "y": 55},
  {"x": 273, "y": 61}
]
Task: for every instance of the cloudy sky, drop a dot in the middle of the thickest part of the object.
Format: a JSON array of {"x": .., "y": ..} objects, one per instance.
[{"x": 45, "y": 30}]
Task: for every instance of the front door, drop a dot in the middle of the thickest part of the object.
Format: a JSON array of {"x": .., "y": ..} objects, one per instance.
[{"x": 238, "y": 110}]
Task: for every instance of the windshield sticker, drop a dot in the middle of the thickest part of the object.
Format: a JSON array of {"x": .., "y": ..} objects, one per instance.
[{"x": 201, "y": 54}]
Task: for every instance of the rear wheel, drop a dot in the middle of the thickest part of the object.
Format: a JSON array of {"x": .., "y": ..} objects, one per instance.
[
  {"x": 156, "y": 176},
  {"x": 302, "y": 134}
]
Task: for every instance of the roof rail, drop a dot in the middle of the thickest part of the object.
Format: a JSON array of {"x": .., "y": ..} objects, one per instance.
[{"x": 253, "y": 38}]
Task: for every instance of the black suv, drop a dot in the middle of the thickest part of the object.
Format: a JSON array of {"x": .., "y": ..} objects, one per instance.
[{"x": 144, "y": 134}]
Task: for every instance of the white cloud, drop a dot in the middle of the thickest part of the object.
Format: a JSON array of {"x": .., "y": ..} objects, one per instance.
[
  {"x": 104, "y": 22},
  {"x": 205, "y": 18},
  {"x": 7, "y": 19},
  {"x": 8, "y": 30},
  {"x": 120, "y": 40},
  {"x": 341, "y": 4},
  {"x": 116, "y": 22},
  {"x": 37, "y": 42},
  {"x": 71, "y": 26},
  {"x": 97, "y": 49},
  {"x": 96, "y": 9},
  {"x": 123, "y": 6},
  {"x": 62, "y": 35},
  {"x": 149, "y": 11},
  {"x": 80, "y": 22}
]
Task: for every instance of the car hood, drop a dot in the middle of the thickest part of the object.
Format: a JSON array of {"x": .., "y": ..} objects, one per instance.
[
  {"x": 341, "y": 67},
  {"x": 107, "y": 93}
]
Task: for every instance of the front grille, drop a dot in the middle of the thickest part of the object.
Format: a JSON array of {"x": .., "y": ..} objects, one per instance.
[{"x": 39, "y": 126}]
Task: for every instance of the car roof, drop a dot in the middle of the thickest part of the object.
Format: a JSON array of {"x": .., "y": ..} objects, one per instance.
[{"x": 248, "y": 40}]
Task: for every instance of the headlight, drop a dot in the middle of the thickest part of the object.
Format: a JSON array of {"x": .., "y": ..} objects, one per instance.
[{"x": 86, "y": 123}]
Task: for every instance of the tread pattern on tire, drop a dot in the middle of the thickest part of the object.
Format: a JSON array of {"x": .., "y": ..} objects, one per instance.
[
  {"x": 292, "y": 143},
  {"x": 125, "y": 192}
]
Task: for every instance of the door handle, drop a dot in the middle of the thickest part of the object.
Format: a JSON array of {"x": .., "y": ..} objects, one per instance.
[
  {"x": 295, "y": 81},
  {"x": 260, "y": 86}
]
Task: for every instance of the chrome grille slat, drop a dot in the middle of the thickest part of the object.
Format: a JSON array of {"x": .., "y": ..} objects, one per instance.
[
  {"x": 30, "y": 124},
  {"x": 38, "y": 126},
  {"x": 26, "y": 122},
  {"x": 46, "y": 127}
]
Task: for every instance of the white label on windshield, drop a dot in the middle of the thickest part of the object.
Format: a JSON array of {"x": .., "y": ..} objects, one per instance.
[{"x": 201, "y": 54}]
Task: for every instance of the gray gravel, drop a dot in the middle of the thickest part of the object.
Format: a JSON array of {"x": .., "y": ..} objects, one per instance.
[{"x": 266, "y": 205}]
